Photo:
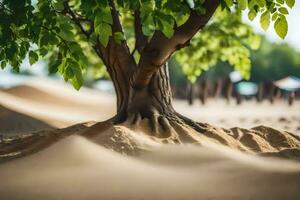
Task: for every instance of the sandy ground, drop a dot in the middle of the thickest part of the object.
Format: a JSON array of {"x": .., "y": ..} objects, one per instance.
[
  {"x": 59, "y": 105},
  {"x": 250, "y": 114},
  {"x": 56, "y": 103},
  {"x": 78, "y": 168}
]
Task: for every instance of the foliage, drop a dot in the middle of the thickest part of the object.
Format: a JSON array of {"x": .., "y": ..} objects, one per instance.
[
  {"x": 225, "y": 39},
  {"x": 274, "y": 61},
  {"x": 270, "y": 62},
  {"x": 65, "y": 31},
  {"x": 270, "y": 10}
]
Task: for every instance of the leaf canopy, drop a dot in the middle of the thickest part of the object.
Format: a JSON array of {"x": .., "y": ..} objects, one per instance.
[{"x": 65, "y": 31}]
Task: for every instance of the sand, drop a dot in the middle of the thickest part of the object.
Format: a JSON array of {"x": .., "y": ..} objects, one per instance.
[
  {"x": 250, "y": 114},
  {"x": 76, "y": 168},
  {"x": 125, "y": 162},
  {"x": 14, "y": 123},
  {"x": 58, "y": 104}
]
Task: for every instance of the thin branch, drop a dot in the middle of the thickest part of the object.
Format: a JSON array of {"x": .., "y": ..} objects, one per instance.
[
  {"x": 77, "y": 20},
  {"x": 60, "y": 37},
  {"x": 141, "y": 40},
  {"x": 117, "y": 27}
]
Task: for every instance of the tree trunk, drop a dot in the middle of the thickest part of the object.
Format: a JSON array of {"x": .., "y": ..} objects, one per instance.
[
  {"x": 153, "y": 102},
  {"x": 203, "y": 91},
  {"x": 190, "y": 95}
]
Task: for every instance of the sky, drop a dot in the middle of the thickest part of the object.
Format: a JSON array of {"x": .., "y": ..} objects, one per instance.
[{"x": 293, "y": 36}]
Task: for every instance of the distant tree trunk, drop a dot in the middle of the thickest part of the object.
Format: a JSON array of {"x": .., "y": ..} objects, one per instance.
[
  {"x": 291, "y": 97},
  {"x": 271, "y": 93},
  {"x": 190, "y": 94},
  {"x": 260, "y": 92},
  {"x": 217, "y": 88},
  {"x": 278, "y": 93},
  {"x": 203, "y": 91},
  {"x": 239, "y": 98},
  {"x": 228, "y": 89}
]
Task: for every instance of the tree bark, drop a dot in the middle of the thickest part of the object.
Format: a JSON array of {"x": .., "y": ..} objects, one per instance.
[{"x": 153, "y": 102}]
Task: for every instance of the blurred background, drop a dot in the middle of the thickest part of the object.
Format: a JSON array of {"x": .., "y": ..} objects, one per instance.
[{"x": 31, "y": 99}]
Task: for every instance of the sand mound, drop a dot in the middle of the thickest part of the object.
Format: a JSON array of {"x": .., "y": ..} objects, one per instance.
[
  {"x": 37, "y": 94},
  {"x": 130, "y": 140},
  {"x": 13, "y": 123},
  {"x": 259, "y": 139},
  {"x": 98, "y": 166},
  {"x": 57, "y": 106},
  {"x": 78, "y": 169}
]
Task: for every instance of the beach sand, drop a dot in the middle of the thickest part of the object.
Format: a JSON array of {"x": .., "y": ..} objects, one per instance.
[{"x": 122, "y": 162}]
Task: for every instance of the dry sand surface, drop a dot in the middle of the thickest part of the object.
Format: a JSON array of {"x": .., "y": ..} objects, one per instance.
[
  {"x": 59, "y": 105},
  {"x": 78, "y": 169},
  {"x": 15, "y": 123},
  {"x": 250, "y": 114},
  {"x": 99, "y": 167}
]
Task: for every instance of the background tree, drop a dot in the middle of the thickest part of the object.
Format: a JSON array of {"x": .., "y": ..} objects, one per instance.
[
  {"x": 134, "y": 40},
  {"x": 274, "y": 61}
]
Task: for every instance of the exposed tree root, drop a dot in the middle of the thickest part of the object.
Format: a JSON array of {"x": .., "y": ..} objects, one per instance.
[{"x": 156, "y": 128}]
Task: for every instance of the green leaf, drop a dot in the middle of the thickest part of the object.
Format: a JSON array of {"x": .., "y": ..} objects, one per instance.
[
  {"x": 33, "y": 57},
  {"x": 281, "y": 27},
  {"x": 283, "y": 10},
  {"x": 290, "y": 3},
  {"x": 11, "y": 52},
  {"x": 119, "y": 37},
  {"x": 58, "y": 5},
  {"x": 103, "y": 15},
  {"x": 274, "y": 17},
  {"x": 265, "y": 20},
  {"x": 2, "y": 54},
  {"x": 165, "y": 24},
  {"x": 252, "y": 14},
  {"x": 147, "y": 24},
  {"x": 280, "y": 1},
  {"x": 242, "y": 4},
  {"x": 43, "y": 51},
  {"x": 3, "y": 64},
  {"x": 69, "y": 72},
  {"x": 229, "y": 3},
  {"x": 53, "y": 67},
  {"x": 104, "y": 31},
  {"x": 261, "y": 3},
  {"x": 77, "y": 80}
]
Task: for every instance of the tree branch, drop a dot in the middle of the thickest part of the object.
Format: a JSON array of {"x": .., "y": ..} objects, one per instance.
[
  {"x": 77, "y": 20},
  {"x": 116, "y": 27},
  {"x": 116, "y": 56},
  {"x": 140, "y": 39},
  {"x": 160, "y": 48},
  {"x": 122, "y": 48}
]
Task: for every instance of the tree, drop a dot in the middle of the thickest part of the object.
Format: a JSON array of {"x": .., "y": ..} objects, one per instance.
[
  {"x": 68, "y": 32},
  {"x": 274, "y": 61}
]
